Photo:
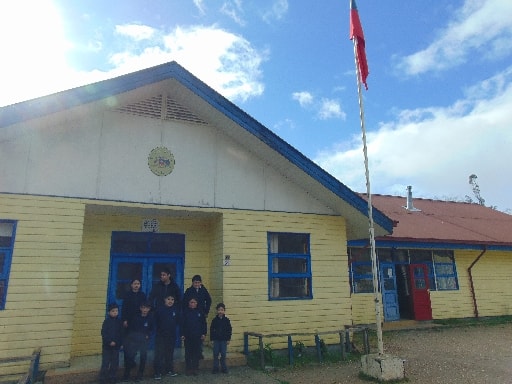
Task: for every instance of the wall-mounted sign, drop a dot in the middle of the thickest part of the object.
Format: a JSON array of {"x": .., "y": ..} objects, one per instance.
[
  {"x": 150, "y": 225},
  {"x": 161, "y": 161}
]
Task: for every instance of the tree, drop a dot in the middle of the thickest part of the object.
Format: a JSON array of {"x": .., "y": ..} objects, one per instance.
[{"x": 476, "y": 190}]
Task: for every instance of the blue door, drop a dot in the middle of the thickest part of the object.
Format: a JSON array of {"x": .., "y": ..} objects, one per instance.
[
  {"x": 141, "y": 256},
  {"x": 389, "y": 292},
  {"x": 145, "y": 268}
]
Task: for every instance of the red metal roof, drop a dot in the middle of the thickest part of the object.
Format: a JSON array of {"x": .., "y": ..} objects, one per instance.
[{"x": 445, "y": 221}]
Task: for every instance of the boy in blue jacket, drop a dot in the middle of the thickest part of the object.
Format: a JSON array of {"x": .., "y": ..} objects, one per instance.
[
  {"x": 167, "y": 319},
  {"x": 220, "y": 335},
  {"x": 111, "y": 335}
]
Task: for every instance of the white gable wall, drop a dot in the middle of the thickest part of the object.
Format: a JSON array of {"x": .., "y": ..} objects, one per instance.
[{"x": 105, "y": 157}]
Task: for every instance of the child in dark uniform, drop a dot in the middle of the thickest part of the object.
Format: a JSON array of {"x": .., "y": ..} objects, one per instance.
[
  {"x": 167, "y": 320},
  {"x": 140, "y": 329},
  {"x": 111, "y": 335},
  {"x": 193, "y": 332},
  {"x": 220, "y": 335}
]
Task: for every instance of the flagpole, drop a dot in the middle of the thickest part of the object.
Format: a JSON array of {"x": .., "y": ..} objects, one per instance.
[{"x": 376, "y": 291}]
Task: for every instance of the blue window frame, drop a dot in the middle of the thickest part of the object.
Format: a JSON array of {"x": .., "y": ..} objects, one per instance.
[
  {"x": 442, "y": 272},
  {"x": 7, "y": 232},
  {"x": 289, "y": 265}
]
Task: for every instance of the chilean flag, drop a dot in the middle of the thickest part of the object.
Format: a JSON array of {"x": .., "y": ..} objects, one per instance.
[{"x": 356, "y": 32}]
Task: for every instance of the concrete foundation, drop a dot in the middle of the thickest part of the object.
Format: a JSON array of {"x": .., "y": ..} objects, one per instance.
[{"x": 383, "y": 367}]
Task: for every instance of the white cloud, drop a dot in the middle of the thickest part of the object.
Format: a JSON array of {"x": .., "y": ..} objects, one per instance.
[
  {"x": 225, "y": 61},
  {"x": 32, "y": 45},
  {"x": 277, "y": 11},
  {"x": 136, "y": 32},
  {"x": 324, "y": 109},
  {"x": 284, "y": 125},
  {"x": 234, "y": 10},
  {"x": 435, "y": 149},
  {"x": 483, "y": 27},
  {"x": 304, "y": 98},
  {"x": 330, "y": 109},
  {"x": 200, "y": 6}
]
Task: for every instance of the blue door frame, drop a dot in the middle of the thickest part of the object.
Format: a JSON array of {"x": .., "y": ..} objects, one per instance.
[
  {"x": 389, "y": 292},
  {"x": 123, "y": 269},
  {"x": 142, "y": 255}
]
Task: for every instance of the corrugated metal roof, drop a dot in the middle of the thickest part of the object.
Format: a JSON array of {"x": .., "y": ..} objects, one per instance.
[{"x": 445, "y": 222}]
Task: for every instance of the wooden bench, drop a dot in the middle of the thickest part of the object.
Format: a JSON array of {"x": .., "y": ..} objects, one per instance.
[{"x": 33, "y": 370}]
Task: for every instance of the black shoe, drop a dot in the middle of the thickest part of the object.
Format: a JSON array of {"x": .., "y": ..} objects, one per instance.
[
  {"x": 224, "y": 370},
  {"x": 215, "y": 370}
]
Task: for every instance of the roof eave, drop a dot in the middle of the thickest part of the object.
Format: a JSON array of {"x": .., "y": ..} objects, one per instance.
[{"x": 57, "y": 102}]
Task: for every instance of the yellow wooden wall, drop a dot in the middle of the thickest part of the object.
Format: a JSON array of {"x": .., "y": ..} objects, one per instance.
[
  {"x": 95, "y": 259},
  {"x": 363, "y": 309},
  {"x": 215, "y": 274},
  {"x": 493, "y": 287},
  {"x": 60, "y": 269},
  {"x": 246, "y": 279},
  {"x": 242, "y": 286},
  {"x": 491, "y": 279},
  {"x": 41, "y": 294}
]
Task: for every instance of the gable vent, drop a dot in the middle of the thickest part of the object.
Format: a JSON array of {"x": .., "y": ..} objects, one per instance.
[{"x": 160, "y": 107}]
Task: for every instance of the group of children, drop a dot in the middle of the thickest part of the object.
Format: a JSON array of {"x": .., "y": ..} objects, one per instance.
[{"x": 167, "y": 317}]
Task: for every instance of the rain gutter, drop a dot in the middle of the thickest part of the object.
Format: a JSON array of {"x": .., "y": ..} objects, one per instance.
[{"x": 473, "y": 294}]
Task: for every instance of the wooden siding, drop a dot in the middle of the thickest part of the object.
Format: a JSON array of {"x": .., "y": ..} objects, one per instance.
[
  {"x": 246, "y": 279},
  {"x": 61, "y": 265},
  {"x": 493, "y": 287},
  {"x": 491, "y": 279},
  {"x": 42, "y": 285},
  {"x": 242, "y": 286},
  {"x": 95, "y": 261},
  {"x": 216, "y": 275},
  {"x": 363, "y": 308}
]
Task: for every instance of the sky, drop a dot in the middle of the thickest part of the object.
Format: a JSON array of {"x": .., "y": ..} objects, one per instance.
[{"x": 438, "y": 108}]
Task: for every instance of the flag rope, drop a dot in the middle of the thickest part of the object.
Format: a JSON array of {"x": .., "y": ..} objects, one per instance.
[{"x": 376, "y": 290}]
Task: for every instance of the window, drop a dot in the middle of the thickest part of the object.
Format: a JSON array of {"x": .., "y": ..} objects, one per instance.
[
  {"x": 7, "y": 230},
  {"x": 442, "y": 274},
  {"x": 361, "y": 275},
  {"x": 444, "y": 270},
  {"x": 289, "y": 264}
]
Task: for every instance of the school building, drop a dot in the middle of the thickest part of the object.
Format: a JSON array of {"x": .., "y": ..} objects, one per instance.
[
  {"x": 443, "y": 260},
  {"x": 113, "y": 180}
]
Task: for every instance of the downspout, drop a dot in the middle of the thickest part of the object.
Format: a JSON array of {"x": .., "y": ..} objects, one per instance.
[{"x": 473, "y": 294}]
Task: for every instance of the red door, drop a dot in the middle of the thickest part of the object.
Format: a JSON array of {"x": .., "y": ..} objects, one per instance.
[{"x": 420, "y": 292}]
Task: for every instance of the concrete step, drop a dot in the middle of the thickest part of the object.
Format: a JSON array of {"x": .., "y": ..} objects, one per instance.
[
  {"x": 86, "y": 369},
  {"x": 407, "y": 324}
]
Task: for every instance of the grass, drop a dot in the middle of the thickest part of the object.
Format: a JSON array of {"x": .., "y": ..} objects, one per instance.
[
  {"x": 331, "y": 354},
  {"x": 303, "y": 356},
  {"x": 473, "y": 321}
]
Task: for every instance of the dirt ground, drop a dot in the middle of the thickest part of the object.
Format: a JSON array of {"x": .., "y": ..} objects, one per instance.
[{"x": 465, "y": 355}]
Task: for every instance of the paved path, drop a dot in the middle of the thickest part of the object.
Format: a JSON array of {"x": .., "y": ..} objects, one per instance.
[{"x": 467, "y": 355}]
